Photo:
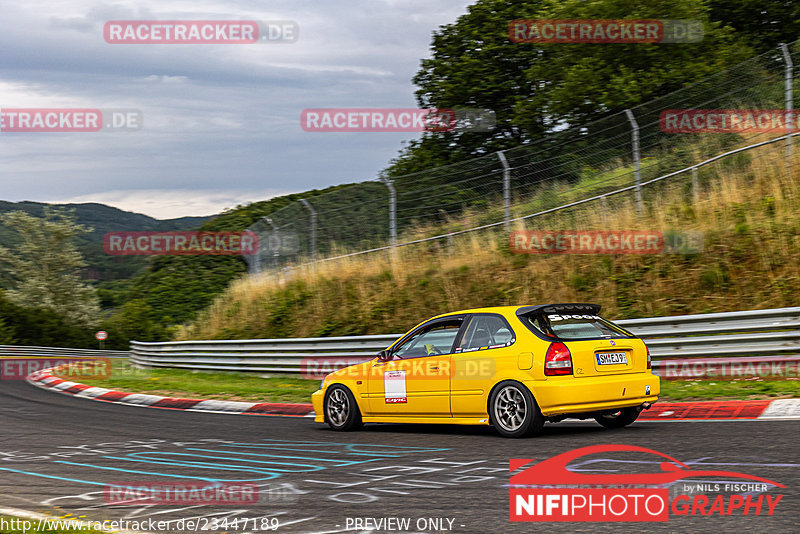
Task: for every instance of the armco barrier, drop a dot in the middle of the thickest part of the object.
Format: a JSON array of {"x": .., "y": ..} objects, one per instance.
[
  {"x": 261, "y": 355},
  {"x": 17, "y": 361},
  {"x": 733, "y": 336},
  {"x": 24, "y": 351}
]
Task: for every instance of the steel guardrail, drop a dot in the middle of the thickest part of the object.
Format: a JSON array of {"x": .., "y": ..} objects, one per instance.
[
  {"x": 285, "y": 355},
  {"x": 772, "y": 333},
  {"x": 29, "y": 351}
]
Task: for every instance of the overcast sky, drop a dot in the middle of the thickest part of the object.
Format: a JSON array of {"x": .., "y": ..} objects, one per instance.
[{"x": 221, "y": 122}]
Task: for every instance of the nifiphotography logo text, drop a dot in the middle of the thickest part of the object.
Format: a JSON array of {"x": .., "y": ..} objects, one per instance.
[{"x": 549, "y": 491}]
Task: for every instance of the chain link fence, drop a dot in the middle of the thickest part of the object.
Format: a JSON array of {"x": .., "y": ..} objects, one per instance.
[{"x": 616, "y": 155}]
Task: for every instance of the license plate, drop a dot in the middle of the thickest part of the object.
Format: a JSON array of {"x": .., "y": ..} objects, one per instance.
[{"x": 611, "y": 358}]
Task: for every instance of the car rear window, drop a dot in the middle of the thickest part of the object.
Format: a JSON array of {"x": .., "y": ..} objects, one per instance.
[{"x": 572, "y": 327}]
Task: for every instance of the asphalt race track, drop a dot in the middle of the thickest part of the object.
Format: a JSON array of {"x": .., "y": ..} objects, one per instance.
[{"x": 57, "y": 453}]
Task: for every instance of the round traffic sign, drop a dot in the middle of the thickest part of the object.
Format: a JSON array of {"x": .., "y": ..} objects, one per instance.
[{"x": 101, "y": 335}]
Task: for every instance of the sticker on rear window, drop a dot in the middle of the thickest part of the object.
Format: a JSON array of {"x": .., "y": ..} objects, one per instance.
[{"x": 567, "y": 317}]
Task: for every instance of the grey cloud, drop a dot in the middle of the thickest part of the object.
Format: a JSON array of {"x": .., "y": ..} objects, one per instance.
[{"x": 215, "y": 116}]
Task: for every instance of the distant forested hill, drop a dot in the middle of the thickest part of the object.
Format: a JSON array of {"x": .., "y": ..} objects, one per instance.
[{"x": 102, "y": 219}]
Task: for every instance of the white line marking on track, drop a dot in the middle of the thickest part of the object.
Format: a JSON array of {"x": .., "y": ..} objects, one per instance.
[{"x": 36, "y": 516}]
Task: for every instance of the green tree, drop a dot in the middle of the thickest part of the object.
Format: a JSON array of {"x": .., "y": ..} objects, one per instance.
[
  {"x": 6, "y": 333},
  {"x": 133, "y": 322},
  {"x": 42, "y": 327},
  {"x": 763, "y": 24},
  {"x": 45, "y": 266},
  {"x": 583, "y": 82},
  {"x": 172, "y": 289},
  {"x": 473, "y": 64},
  {"x": 537, "y": 88}
]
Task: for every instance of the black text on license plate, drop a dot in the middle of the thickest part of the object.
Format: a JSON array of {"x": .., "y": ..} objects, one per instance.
[{"x": 611, "y": 358}]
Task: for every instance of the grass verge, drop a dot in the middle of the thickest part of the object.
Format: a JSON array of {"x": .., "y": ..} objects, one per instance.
[
  {"x": 261, "y": 388},
  {"x": 746, "y": 209},
  {"x": 744, "y": 389},
  {"x": 207, "y": 385}
]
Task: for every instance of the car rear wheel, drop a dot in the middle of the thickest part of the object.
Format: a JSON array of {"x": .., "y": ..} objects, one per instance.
[
  {"x": 619, "y": 418},
  {"x": 513, "y": 411},
  {"x": 341, "y": 410}
]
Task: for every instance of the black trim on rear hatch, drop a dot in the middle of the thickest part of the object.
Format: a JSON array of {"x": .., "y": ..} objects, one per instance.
[{"x": 575, "y": 307}]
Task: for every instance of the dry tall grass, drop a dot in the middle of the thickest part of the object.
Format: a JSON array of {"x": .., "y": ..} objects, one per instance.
[{"x": 747, "y": 208}]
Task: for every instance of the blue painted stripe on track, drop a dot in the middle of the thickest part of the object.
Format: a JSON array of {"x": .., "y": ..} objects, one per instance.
[
  {"x": 390, "y": 447},
  {"x": 142, "y": 456},
  {"x": 79, "y": 481},
  {"x": 350, "y": 450},
  {"x": 198, "y": 465},
  {"x": 133, "y": 471},
  {"x": 349, "y": 446},
  {"x": 340, "y": 462},
  {"x": 383, "y": 455}
]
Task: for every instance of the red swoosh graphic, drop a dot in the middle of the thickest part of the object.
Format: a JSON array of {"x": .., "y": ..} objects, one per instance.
[{"x": 553, "y": 471}]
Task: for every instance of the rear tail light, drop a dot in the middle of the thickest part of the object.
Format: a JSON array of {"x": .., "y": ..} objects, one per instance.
[
  {"x": 558, "y": 360},
  {"x": 649, "y": 359}
]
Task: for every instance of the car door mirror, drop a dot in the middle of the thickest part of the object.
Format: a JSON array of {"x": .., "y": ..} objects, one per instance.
[{"x": 384, "y": 356}]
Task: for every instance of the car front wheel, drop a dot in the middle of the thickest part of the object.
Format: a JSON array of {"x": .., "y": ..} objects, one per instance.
[
  {"x": 513, "y": 411},
  {"x": 341, "y": 410},
  {"x": 619, "y": 418}
]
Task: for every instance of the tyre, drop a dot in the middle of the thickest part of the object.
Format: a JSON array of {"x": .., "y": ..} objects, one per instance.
[
  {"x": 620, "y": 418},
  {"x": 341, "y": 410},
  {"x": 513, "y": 411}
]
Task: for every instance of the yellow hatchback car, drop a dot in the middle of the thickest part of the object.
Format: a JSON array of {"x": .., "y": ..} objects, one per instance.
[{"x": 510, "y": 367}]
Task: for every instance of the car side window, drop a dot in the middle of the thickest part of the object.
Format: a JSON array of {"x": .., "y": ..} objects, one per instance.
[
  {"x": 485, "y": 332},
  {"x": 438, "y": 338}
]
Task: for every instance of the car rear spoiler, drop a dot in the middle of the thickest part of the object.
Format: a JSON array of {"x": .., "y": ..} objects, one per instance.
[{"x": 576, "y": 307}]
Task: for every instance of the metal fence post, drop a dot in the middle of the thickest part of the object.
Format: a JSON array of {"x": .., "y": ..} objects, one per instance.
[
  {"x": 636, "y": 160},
  {"x": 789, "y": 74},
  {"x": 695, "y": 186},
  {"x": 275, "y": 253},
  {"x": 392, "y": 211},
  {"x": 313, "y": 212},
  {"x": 506, "y": 189}
]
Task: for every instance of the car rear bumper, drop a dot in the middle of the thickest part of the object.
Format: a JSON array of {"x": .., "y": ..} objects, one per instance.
[{"x": 569, "y": 395}]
